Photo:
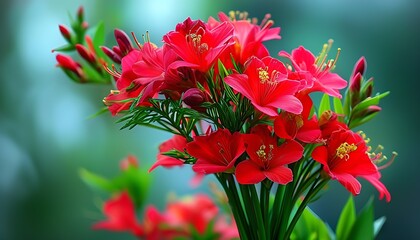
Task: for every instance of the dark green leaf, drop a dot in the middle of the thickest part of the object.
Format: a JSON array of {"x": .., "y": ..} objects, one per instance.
[
  {"x": 363, "y": 226},
  {"x": 346, "y": 220}
]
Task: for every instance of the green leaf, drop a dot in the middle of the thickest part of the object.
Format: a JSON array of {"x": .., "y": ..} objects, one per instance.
[
  {"x": 338, "y": 106},
  {"x": 377, "y": 225},
  {"x": 99, "y": 36},
  {"x": 346, "y": 220},
  {"x": 370, "y": 101},
  {"x": 95, "y": 181},
  {"x": 363, "y": 227},
  {"x": 311, "y": 227},
  {"x": 324, "y": 105}
]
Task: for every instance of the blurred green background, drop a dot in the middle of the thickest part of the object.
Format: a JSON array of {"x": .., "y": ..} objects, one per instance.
[{"x": 46, "y": 136}]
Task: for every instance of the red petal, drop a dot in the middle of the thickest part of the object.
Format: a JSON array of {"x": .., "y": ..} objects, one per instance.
[
  {"x": 247, "y": 172},
  {"x": 279, "y": 174},
  {"x": 349, "y": 182}
]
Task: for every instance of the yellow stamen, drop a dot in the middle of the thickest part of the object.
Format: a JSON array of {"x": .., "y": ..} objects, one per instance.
[
  {"x": 263, "y": 74},
  {"x": 344, "y": 149}
]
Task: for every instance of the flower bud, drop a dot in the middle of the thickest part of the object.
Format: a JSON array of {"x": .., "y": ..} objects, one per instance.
[
  {"x": 193, "y": 97},
  {"x": 111, "y": 54},
  {"x": 369, "y": 87},
  {"x": 355, "y": 83},
  {"x": 84, "y": 53},
  {"x": 80, "y": 14},
  {"x": 117, "y": 51},
  {"x": 65, "y": 32},
  {"x": 359, "y": 67},
  {"x": 123, "y": 41},
  {"x": 68, "y": 63}
]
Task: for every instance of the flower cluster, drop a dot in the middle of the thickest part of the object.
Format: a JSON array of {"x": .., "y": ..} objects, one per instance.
[{"x": 247, "y": 117}]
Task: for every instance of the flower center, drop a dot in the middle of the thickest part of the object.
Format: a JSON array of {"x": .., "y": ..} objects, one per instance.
[
  {"x": 263, "y": 74},
  {"x": 344, "y": 149},
  {"x": 263, "y": 155},
  {"x": 194, "y": 39}
]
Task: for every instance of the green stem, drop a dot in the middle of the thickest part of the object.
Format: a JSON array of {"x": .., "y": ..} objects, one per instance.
[
  {"x": 316, "y": 187},
  {"x": 275, "y": 212},
  {"x": 258, "y": 212},
  {"x": 249, "y": 210},
  {"x": 236, "y": 208}
]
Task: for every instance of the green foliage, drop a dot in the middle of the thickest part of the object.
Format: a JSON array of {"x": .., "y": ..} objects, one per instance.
[
  {"x": 164, "y": 114},
  {"x": 311, "y": 227},
  {"x": 134, "y": 180},
  {"x": 346, "y": 220},
  {"x": 324, "y": 105}
]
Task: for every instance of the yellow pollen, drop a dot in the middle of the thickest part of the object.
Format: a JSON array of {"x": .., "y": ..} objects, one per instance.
[
  {"x": 263, "y": 74},
  {"x": 344, "y": 149},
  {"x": 261, "y": 152}
]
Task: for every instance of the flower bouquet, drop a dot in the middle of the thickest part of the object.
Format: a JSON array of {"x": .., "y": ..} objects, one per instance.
[{"x": 236, "y": 112}]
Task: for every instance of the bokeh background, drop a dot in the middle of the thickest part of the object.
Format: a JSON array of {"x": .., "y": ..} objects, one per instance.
[{"x": 46, "y": 134}]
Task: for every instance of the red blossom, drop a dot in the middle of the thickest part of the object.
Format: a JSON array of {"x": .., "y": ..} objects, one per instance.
[
  {"x": 216, "y": 152},
  {"x": 121, "y": 216},
  {"x": 266, "y": 159},
  {"x": 345, "y": 157},
  {"x": 298, "y": 126},
  {"x": 265, "y": 83},
  {"x": 198, "y": 46},
  {"x": 248, "y": 36},
  {"x": 177, "y": 142}
]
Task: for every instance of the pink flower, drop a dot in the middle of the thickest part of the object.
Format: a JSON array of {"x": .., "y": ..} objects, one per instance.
[
  {"x": 318, "y": 78},
  {"x": 265, "y": 83},
  {"x": 266, "y": 159},
  {"x": 216, "y": 152}
]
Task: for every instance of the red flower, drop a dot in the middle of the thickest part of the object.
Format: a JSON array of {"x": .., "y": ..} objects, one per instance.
[
  {"x": 345, "y": 157},
  {"x": 298, "y": 126},
  {"x": 198, "y": 46},
  {"x": 318, "y": 78},
  {"x": 216, "y": 152},
  {"x": 197, "y": 211},
  {"x": 266, "y": 159},
  {"x": 121, "y": 216},
  {"x": 248, "y": 36},
  {"x": 265, "y": 83},
  {"x": 177, "y": 142},
  {"x": 329, "y": 123}
]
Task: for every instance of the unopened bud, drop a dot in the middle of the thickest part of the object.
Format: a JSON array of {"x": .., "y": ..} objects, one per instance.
[
  {"x": 117, "y": 51},
  {"x": 84, "y": 53},
  {"x": 355, "y": 83},
  {"x": 68, "y": 63},
  {"x": 65, "y": 32},
  {"x": 369, "y": 87},
  {"x": 80, "y": 14},
  {"x": 111, "y": 54},
  {"x": 193, "y": 97},
  {"x": 359, "y": 67},
  {"x": 123, "y": 41}
]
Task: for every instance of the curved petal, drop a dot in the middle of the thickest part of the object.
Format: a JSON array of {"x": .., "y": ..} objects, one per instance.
[
  {"x": 247, "y": 172},
  {"x": 349, "y": 182},
  {"x": 279, "y": 174}
]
